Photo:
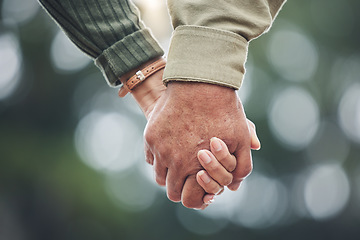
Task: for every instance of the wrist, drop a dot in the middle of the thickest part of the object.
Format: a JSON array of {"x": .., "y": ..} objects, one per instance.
[
  {"x": 202, "y": 99},
  {"x": 199, "y": 93},
  {"x": 147, "y": 90}
]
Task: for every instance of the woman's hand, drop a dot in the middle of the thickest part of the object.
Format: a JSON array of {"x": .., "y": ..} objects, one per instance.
[{"x": 218, "y": 164}]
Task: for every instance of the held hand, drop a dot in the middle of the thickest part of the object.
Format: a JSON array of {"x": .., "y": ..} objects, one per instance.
[
  {"x": 218, "y": 164},
  {"x": 185, "y": 117}
]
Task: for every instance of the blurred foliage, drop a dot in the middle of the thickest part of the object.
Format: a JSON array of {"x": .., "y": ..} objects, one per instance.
[{"x": 47, "y": 192}]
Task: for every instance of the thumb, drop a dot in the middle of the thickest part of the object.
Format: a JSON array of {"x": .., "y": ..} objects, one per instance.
[{"x": 255, "y": 142}]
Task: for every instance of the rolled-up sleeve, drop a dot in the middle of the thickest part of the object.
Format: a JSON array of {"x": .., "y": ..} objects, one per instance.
[
  {"x": 108, "y": 31},
  {"x": 211, "y": 38}
]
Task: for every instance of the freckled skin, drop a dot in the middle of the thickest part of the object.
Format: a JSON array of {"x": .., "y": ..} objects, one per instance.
[{"x": 183, "y": 121}]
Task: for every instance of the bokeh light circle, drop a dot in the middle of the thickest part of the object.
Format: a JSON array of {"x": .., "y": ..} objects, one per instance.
[
  {"x": 66, "y": 56},
  {"x": 293, "y": 55},
  {"x": 260, "y": 202},
  {"x": 294, "y": 117},
  {"x": 327, "y": 191},
  {"x": 19, "y": 11},
  {"x": 105, "y": 141},
  {"x": 10, "y": 64},
  {"x": 349, "y": 112},
  {"x": 263, "y": 205}
]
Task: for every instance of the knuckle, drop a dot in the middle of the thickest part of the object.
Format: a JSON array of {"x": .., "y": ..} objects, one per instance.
[
  {"x": 251, "y": 124},
  {"x": 173, "y": 197},
  {"x": 161, "y": 149},
  {"x": 231, "y": 167},
  {"x": 189, "y": 203},
  {"x": 222, "y": 156},
  {"x": 247, "y": 170},
  {"x": 235, "y": 185},
  {"x": 160, "y": 180},
  {"x": 213, "y": 167},
  {"x": 229, "y": 162},
  {"x": 148, "y": 136},
  {"x": 175, "y": 156}
]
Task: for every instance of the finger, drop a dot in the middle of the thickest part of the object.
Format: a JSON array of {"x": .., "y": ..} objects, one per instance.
[
  {"x": 221, "y": 191},
  {"x": 149, "y": 157},
  {"x": 222, "y": 154},
  {"x": 208, "y": 199},
  {"x": 160, "y": 173},
  {"x": 255, "y": 142},
  {"x": 207, "y": 183},
  {"x": 174, "y": 185},
  {"x": 193, "y": 194},
  {"x": 235, "y": 185},
  {"x": 243, "y": 168},
  {"x": 214, "y": 168}
]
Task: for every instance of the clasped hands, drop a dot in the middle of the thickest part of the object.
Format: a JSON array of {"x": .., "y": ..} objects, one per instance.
[{"x": 183, "y": 120}]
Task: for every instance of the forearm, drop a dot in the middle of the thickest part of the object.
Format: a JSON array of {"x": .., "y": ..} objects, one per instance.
[
  {"x": 110, "y": 32},
  {"x": 211, "y": 38}
]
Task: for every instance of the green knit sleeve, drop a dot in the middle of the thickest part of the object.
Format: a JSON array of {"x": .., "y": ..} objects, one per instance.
[{"x": 108, "y": 31}]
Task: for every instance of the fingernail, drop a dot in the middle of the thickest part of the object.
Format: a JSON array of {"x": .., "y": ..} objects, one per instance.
[
  {"x": 204, "y": 157},
  {"x": 211, "y": 200},
  {"x": 220, "y": 191},
  {"x": 215, "y": 143},
  {"x": 234, "y": 187},
  {"x": 203, "y": 207},
  {"x": 206, "y": 179}
]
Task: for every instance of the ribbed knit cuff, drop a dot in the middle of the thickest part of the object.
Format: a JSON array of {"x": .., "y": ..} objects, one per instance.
[
  {"x": 127, "y": 54},
  {"x": 202, "y": 54}
]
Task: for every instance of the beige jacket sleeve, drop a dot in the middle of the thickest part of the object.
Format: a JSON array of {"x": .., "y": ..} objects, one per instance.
[{"x": 211, "y": 38}]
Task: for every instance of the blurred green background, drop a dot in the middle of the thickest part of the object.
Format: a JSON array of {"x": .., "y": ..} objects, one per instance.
[{"x": 69, "y": 168}]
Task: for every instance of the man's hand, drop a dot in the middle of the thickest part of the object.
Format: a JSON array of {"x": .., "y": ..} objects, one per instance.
[{"x": 185, "y": 117}]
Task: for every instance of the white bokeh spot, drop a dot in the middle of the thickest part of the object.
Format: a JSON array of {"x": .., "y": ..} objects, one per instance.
[
  {"x": 349, "y": 112},
  {"x": 105, "y": 141},
  {"x": 65, "y": 55},
  {"x": 293, "y": 54},
  {"x": 327, "y": 191},
  {"x": 294, "y": 117},
  {"x": 19, "y": 11},
  {"x": 10, "y": 64},
  {"x": 260, "y": 202}
]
